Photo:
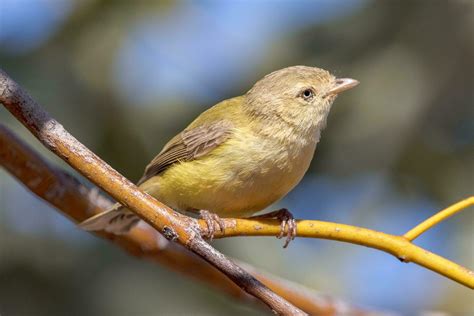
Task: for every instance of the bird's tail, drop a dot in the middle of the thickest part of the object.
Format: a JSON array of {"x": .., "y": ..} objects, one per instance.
[{"x": 117, "y": 220}]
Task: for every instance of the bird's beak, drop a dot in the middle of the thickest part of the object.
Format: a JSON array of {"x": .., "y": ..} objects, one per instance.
[{"x": 341, "y": 85}]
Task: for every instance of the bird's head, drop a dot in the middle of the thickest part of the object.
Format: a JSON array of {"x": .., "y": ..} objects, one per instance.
[{"x": 297, "y": 96}]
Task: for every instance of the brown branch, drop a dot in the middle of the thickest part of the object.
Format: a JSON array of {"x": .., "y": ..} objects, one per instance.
[
  {"x": 71, "y": 198},
  {"x": 172, "y": 225}
]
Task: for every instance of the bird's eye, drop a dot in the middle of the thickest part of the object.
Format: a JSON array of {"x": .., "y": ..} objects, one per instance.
[{"x": 307, "y": 94}]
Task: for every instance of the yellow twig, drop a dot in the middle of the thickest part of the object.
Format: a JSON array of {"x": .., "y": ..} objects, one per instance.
[
  {"x": 398, "y": 246},
  {"x": 438, "y": 217}
]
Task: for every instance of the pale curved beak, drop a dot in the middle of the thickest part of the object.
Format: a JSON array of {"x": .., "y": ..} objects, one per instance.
[{"x": 342, "y": 84}]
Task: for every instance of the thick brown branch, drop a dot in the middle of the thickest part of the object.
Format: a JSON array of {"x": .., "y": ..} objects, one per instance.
[{"x": 171, "y": 224}]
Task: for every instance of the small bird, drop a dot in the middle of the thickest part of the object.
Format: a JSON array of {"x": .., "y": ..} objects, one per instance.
[{"x": 242, "y": 154}]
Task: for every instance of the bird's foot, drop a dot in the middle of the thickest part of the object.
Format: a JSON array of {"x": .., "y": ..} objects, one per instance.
[
  {"x": 211, "y": 219},
  {"x": 287, "y": 223}
]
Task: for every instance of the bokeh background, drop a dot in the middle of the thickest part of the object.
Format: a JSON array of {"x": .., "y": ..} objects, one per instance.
[{"x": 125, "y": 76}]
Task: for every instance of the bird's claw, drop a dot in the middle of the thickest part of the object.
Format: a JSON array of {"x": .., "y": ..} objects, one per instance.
[
  {"x": 211, "y": 219},
  {"x": 287, "y": 224}
]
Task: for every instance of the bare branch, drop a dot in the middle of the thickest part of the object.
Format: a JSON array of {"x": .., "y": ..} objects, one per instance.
[
  {"x": 438, "y": 217},
  {"x": 398, "y": 246}
]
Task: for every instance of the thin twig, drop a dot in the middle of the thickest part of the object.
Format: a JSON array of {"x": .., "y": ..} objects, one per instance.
[
  {"x": 172, "y": 225},
  {"x": 413, "y": 233},
  {"x": 78, "y": 202}
]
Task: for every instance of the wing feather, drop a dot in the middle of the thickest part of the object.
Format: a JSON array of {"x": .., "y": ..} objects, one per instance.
[{"x": 190, "y": 144}]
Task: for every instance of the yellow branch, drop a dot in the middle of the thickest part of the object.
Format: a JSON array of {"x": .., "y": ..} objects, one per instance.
[
  {"x": 398, "y": 246},
  {"x": 438, "y": 217}
]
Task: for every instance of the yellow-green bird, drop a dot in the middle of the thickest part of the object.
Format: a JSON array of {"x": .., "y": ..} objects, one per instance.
[{"x": 242, "y": 154}]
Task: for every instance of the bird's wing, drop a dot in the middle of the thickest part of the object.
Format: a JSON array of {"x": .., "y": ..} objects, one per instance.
[
  {"x": 197, "y": 140},
  {"x": 188, "y": 145},
  {"x": 194, "y": 142}
]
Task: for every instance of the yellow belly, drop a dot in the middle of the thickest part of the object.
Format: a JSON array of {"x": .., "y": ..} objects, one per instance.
[{"x": 239, "y": 178}]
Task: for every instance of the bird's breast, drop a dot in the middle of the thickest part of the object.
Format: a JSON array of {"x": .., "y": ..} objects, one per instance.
[{"x": 242, "y": 176}]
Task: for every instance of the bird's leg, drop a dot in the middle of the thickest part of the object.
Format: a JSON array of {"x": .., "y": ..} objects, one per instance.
[
  {"x": 210, "y": 219},
  {"x": 287, "y": 223}
]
